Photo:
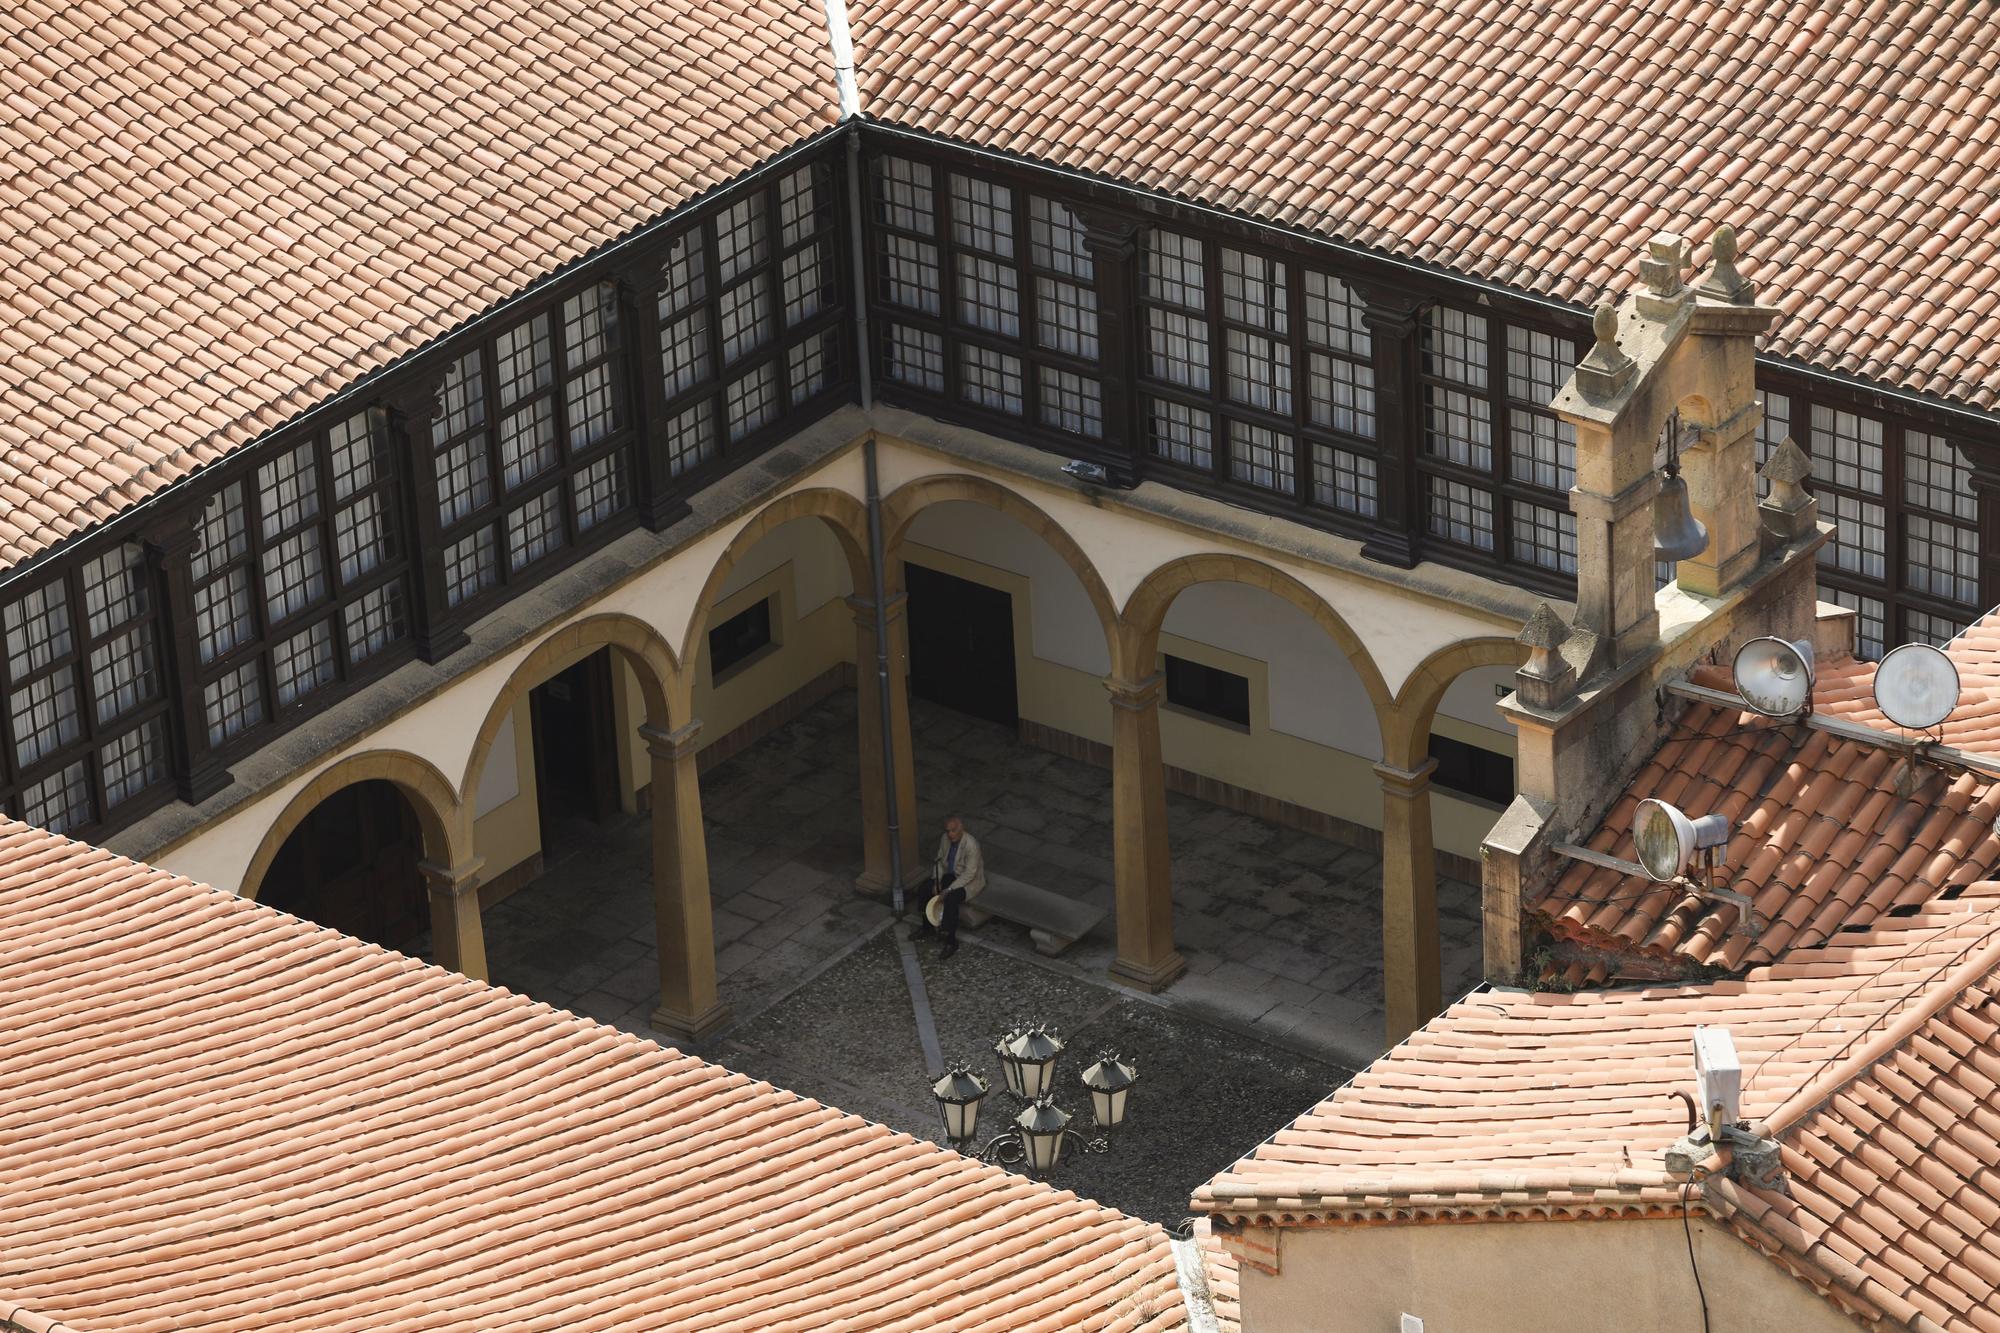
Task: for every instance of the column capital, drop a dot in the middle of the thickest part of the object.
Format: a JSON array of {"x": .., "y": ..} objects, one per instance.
[
  {"x": 1136, "y": 695},
  {"x": 457, "y": 880},
  {"x": 1407, "y": 783},
  {"x": 672, "y": 745}
]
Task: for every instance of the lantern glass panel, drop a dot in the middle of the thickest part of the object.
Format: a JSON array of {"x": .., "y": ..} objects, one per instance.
[
  {"x": 961, "y": 1120},
  {"x": 1038, "y": 1077},
  {"x": 1044, "y": 1150}
]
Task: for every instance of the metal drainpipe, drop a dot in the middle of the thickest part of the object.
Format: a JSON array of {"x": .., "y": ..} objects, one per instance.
[{"x": 877, "y": 557}]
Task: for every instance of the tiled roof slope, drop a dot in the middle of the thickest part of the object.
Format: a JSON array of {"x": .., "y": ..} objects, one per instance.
[
  {"x": 1535, "y": 143},
  {"x": 1895, "y": 1193},
  {"x": 215, "y": 214},
  {"x": 1846, "y": 689},
  {"x": 1874, "y": 1059},
  {"x": 220, "y": 1117},
  {"x": 1825, "y": 839}
]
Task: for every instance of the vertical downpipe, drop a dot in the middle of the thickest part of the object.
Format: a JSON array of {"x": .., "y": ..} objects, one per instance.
[{"x": 850, "y": 110}]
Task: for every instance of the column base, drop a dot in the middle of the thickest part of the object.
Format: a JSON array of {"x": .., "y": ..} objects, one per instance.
[
  {"x": 690, "y": 1031},
  {"x": 870, "y": 885},
  {"x": 1153, "y": 979}
]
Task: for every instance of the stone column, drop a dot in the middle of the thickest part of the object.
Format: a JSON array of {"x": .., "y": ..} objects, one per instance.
[
  {"x": 689, "y": 1010},
  {"x": 1142, "y": 869},
  {"x": 1411, "y": 990},
  {"x": 457, "y": 937},
  {"x": 874, "y": 880}
]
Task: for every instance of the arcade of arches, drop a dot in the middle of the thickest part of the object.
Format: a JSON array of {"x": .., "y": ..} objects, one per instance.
[{"x": 1217, "y": 669}]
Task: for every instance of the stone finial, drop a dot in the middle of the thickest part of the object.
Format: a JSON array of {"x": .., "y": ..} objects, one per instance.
[
  {"x": 1545, "y": 631},
  {"x": 1665, "y": 295},
  {"x": 1547, "y": 680},
  {"x": 1605, "y": 369},
  {"x": 1787, "y": 513},
  {"x": 1724, "y": 282}
]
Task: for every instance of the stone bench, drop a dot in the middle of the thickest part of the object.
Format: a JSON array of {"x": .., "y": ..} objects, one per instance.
[{"x": 1053, "y": 921}]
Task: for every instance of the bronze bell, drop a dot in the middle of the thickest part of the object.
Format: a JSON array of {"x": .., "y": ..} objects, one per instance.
[{"x": 1677, "y": 534}]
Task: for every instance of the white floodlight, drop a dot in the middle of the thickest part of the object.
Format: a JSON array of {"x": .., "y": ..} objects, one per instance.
[
  {"x": 1916, "y": 686},
  {"x": 1773, "y": 676},
  {"x": 1667, "y": 839},
  {"x": 1718, "y": 1077}
]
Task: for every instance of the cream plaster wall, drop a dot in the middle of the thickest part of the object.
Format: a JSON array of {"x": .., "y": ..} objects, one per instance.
[
  {"x": 511, "y": 831},
  {"x": 1631, "y": 1276},
  {"x": 1312, "y": 741},
  {"x": 1126, "y": 547}
]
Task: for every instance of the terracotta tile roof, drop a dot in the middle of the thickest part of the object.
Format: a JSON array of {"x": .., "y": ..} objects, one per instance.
[
  {"x": 213, "y": 215},
  {"x": 1855, "y": 147},
  {"x": 1894, "y": 1163},
  {"x": 1826, "y": 839},
  {"x": 1846, "y": 689},
  {"x": 1874, "y": 1059},
  {"x": 221, "y": 1117}
]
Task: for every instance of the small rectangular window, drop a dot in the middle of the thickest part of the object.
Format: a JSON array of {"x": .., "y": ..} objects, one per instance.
[
  {"x": 1210, "y": 691},
  {"x": 1472, "y": 771},
  {"x": 738, "y": 639}
]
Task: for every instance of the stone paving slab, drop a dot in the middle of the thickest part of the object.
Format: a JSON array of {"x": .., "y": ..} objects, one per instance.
[{"x": 1281, "y": 930}]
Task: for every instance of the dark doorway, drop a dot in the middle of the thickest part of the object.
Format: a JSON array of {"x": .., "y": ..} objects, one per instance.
[
  {"x": 352, "y": 865},
  {"x": 961, "y": 644},
  {"x": 576, "y": 749}
]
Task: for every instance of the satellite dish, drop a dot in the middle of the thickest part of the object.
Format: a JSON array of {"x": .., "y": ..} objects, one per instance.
[
  {"x": 1916, "y": 686},
  {"x": 1667, "y": 839},
  {"x": 1773, "y": 676}
]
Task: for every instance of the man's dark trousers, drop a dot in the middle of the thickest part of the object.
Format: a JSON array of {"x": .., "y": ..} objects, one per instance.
[{"x": 953, "y": 899}]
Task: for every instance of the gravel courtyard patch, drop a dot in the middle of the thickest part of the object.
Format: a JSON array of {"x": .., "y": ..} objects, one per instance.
[{"x": 1205, "y": 1096}]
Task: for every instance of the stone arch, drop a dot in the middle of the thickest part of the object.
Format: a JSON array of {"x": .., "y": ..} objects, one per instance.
[
  {"x": 652, "y": 661},
  {"x": 901, "y": 508},
  {"x": 1406, "y": 724},
  {"x": 439, "y": 815},
  {"x": 842, "y": 514},
  {"x": 1146, "y": 613}
]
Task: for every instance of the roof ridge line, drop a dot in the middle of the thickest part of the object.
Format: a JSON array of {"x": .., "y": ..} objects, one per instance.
[
  {"x": 840, "y": 40},
  {"x": 1820, "y": 1088}
]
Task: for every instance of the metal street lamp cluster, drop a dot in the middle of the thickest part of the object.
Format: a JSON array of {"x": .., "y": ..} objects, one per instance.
[{"x": 1041, "y": 1131}]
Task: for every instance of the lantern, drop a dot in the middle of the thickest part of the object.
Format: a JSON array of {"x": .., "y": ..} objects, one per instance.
[
  {"x": 1043, "y": 1126},
  {"x": 1028, "y": 1056},
  {"x": 1110, "y": 1082},
  {"x": 958, "y": 1095}
]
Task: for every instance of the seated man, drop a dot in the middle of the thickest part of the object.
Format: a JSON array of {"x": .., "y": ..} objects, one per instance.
[{"x": 958, "y": 875}]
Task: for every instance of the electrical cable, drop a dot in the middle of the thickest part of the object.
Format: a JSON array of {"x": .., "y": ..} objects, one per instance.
[{"x": 1687, "y": 1230}]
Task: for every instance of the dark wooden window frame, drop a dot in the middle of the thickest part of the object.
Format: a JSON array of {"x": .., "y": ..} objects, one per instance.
[
  {"x": 1501, "y": 483},
  {"x": 93, "y": 735},
  {"x": 1026, "y": 345},
  {"x": 1898, "y": 598},
  {"x": 336, "y": 596},
  {"x": 1298, "y": 424},
  {"x": 774, "y": 352}
]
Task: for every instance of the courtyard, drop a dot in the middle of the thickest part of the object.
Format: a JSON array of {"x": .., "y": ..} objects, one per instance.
[{"x": 1281, "y": 931}]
